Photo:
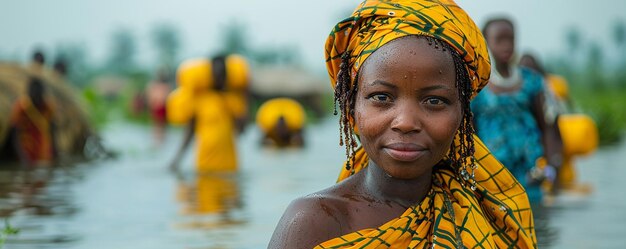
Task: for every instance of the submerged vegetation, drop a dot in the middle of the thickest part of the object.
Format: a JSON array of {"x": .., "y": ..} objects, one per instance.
[{"x": 6, "y": 232}]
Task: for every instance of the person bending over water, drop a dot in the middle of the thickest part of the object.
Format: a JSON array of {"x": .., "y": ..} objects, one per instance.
[{"x": 281, "y": 121}]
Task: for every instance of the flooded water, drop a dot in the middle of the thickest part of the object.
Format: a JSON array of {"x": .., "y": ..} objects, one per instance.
[{"x": 133, "y": 201}]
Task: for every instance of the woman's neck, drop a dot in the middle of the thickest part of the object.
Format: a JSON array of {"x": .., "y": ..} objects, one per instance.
[
  {"x": 406, "y": 192},
  {"x": 503, "y": 69}
]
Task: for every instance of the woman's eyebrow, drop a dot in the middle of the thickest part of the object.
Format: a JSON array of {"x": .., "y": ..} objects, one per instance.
[
  {"x": 423, "y": 89},
  {"x": 435, "y": 87},
  {"x": 384, "y": 83}
]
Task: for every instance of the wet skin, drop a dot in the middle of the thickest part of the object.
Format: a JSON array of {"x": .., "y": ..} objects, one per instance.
[{"x": 407, "y": 112}]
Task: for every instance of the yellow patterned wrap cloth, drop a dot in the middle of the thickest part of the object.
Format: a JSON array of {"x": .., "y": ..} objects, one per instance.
[{"x": 494, "y": 214}]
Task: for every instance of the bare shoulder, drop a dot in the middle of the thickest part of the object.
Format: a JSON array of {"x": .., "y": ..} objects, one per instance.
[{"x": 311, "y": 220}]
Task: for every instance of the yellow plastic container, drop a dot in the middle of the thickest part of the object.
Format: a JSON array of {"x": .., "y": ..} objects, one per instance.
[
  {"x": 579, "y": 133},
  {"x": 197, "y": 75},
  {"x": 269, "y": 113},
  {"x": 179, "y": 106},
  {"x": 558, "y": 85},
  {"x": 237, "y": 73}
]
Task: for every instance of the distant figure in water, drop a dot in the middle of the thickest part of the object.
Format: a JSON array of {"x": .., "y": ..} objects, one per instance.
[
  {"x": 156, "y": 96},
  {"x": 202, "y": 102},
  {"x": 60, "y": 67},
  {"x": 32, "y": 126},
  {"x": 281, "y": 121},
  {"x": 38, "y": 61},
  {"x": 578, "y": 131},
  {"x": 514, "y": 103}
]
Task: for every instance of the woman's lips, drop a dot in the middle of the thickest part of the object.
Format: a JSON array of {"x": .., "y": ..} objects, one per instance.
[{"x": 405, "y": 152}]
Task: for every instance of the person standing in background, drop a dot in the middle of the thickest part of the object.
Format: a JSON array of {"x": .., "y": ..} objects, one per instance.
[
  {"x": 32, "y": 126},
  {"x": 510, "y": 115},
  {"x": 156, "y": 97},
  {"x": 200, "y": 103},
  {"x": 578, "y": 131},
  {"x": 37, "y": 63}
]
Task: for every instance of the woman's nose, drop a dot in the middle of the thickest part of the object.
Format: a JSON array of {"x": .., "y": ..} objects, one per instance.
[{"x": 406, "y": 118}]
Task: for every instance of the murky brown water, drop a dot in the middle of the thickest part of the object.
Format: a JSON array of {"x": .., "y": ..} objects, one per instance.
[{"x": 134, "y": 202}]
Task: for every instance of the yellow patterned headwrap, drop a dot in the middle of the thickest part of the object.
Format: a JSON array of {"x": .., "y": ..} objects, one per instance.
[
  {"x": 374, "y": 23},
  {"x": 495, "y": 213}
]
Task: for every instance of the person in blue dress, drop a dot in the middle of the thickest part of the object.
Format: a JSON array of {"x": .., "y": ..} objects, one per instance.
[{"x": 510, "y": 114}]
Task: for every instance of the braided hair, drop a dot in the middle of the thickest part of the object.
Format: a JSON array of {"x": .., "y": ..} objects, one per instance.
[{"x": 459, "y": 156}]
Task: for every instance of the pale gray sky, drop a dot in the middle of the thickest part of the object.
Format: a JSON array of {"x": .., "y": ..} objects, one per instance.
[{"x": 25, "y": 24}]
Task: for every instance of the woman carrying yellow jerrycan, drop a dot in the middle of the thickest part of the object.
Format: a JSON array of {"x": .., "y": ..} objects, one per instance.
[
  {"x": 281, "y": 121},
  {"x": 207, "y": 101},
  {"x": 578, "y": 131}
]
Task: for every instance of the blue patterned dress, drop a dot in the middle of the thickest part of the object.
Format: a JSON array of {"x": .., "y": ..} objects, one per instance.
[{"x": 506, "y": 124}]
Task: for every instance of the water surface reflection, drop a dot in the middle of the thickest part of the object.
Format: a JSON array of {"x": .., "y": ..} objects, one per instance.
[
  {"x": 211, "y": 201},
  {"x": 133, "y": 201}
]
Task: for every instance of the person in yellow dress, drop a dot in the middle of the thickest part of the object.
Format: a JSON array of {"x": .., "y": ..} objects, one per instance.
[
  {"x": 404, "y": 73},
  {"x": 281, "y": 121},
  {"x": 200, "y": 101}
]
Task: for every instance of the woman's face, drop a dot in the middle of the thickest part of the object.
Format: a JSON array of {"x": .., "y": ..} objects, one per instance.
[
  {"x": 500, "y": 38},
  {"x": 407, "y": 106}
]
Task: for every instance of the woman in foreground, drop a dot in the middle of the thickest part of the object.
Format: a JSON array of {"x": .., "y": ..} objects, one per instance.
[{"x": 404, "y": 73}]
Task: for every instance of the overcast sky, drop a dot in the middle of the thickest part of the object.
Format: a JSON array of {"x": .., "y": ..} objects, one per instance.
[{"x": 25, "y": 24}]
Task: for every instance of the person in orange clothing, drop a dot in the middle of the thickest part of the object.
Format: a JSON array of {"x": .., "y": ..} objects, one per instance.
[
  {"x": 32, "y": 126},
  {"x": 200, "y": 102}
]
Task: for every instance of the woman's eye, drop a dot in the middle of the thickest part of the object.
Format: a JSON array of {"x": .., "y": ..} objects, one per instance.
[
  {"x": 380, "y": 97},
  {"x": 435, "y": 101}
]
